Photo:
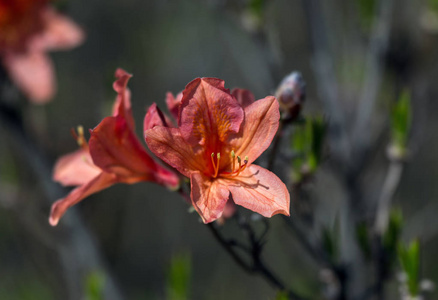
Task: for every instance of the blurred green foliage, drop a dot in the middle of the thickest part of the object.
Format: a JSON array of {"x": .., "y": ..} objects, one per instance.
[
  {"x": 307, "y": 142},
  {"x": 392, "y": 235},
  {"x": 179, "y": 277},
  {"x": 433, "y": 5},
  {"x": 95, "y": 283},
  {"x": 409, "y": 257},
  {"x": 363, "y": 239},
  {"x": 330, "y": 241},
  {"x": 282, "y": 296},
  {"x": 401, "y": 122},
  {"x": 366, "y": 11},
  {"x": 256, "y": 7},
  {"x": 24, "y": 288}
]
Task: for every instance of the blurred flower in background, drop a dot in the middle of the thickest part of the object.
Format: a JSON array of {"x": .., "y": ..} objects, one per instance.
[
  {"x": 28, "y": 29},
  {"x": 113, "y": 155}
]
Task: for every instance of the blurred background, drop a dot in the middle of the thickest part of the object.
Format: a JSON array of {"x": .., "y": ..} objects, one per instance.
[{"x": 137, "y": 239}]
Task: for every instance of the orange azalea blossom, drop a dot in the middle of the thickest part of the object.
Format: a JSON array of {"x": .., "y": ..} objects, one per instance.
[
  {"x": 218, "y": 138},
  {"x": 28, "y": 29},
  {"x": 113, "y": 155}
]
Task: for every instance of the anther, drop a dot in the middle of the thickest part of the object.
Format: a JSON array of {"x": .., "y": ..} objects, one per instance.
[
  {"x": 233, "y": 157},
  {"x": 80, "y": 139},
  {"x": 215, "y": 165}
]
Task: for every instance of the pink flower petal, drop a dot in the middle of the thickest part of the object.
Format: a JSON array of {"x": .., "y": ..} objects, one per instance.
[
  {"x": 259, "y": 128},
  {"x": 173, "y": 104},
  {"x": 261, "y": 191},
  {"x": 100, "y": 182},
  {"x": 155, "y": 117},
  {"x": 122, "y": 105},
  {"x": 60, "y": 33},
  {"x": 170, "y": 146},
  {"x": 115, "y": 148},
  {"x": 209, "y": 114},
  {"x": 76, "y": 168},
  {"x": 33, "y": 73},
  {"x": 208, "y": 197},
  {"x": 244, "y": 97}
]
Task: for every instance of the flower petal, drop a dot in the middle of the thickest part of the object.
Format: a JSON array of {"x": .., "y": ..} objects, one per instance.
[
  {"x": 33, "y": 74},
  {"x": 259, "y": 128},
  {"x": 208, "y": 197},
  {"x": 260, "y": 191},
  {"x": 208, "y": 114},
  {"x": 244, "y": 97},
  {"x": 75, "y": 168},
  {"x": 173, "y": 104},
  {"x": 98, "y": 183},
  {"x": 170, "y": 146},
  {"x": 60, "y": 33},
  {"x": 122, "y": 105},
  {"x": 115, "y": 148},
  {"x": 155, "y": 117}
]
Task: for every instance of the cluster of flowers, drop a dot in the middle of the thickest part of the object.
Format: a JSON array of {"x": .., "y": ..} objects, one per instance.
[{"x": 213, "y": 138}]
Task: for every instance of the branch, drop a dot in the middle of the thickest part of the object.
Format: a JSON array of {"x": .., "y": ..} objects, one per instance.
[{"x": 258, "y": 266}]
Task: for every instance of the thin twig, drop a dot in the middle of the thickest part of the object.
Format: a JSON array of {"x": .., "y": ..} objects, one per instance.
[
  {"x": 229, "y": 248},
  {"x": 257, "y": 266}
]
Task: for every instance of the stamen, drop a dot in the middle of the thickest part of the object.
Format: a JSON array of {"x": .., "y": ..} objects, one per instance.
[
  {"x": 233, "y": 159},
  {"x": 79, "y": 137},
  {"x": 235, "y": 172},
  {"x": 240, "y": 165},
  {"x": 212, "y": 161},
  {"x": 215, "y": 165}
]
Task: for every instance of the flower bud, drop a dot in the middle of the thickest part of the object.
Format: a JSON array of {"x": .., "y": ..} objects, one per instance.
[{"x": 291, "y": 94}]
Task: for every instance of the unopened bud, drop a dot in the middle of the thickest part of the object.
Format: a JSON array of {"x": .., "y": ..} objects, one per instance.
[{"x": 291, "y": 94}]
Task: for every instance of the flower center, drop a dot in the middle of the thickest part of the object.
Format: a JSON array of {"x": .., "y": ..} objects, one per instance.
[{"x": 235, "y": 170}]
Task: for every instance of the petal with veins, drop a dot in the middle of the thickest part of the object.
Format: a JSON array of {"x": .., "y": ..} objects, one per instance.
[
  {"x": 208, "y": 113},
  {"x": 258, "y": 130},
  {"x": 261, "y": 191},
  {"x": 169, "y": 145},
  {"x": 208, "y": 197}
]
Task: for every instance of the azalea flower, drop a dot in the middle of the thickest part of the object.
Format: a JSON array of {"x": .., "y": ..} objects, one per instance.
[
  {"x": 113, "y": 155},
  {"x": 28, "y": 29},
  {"x": 217, "y": 140}
]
